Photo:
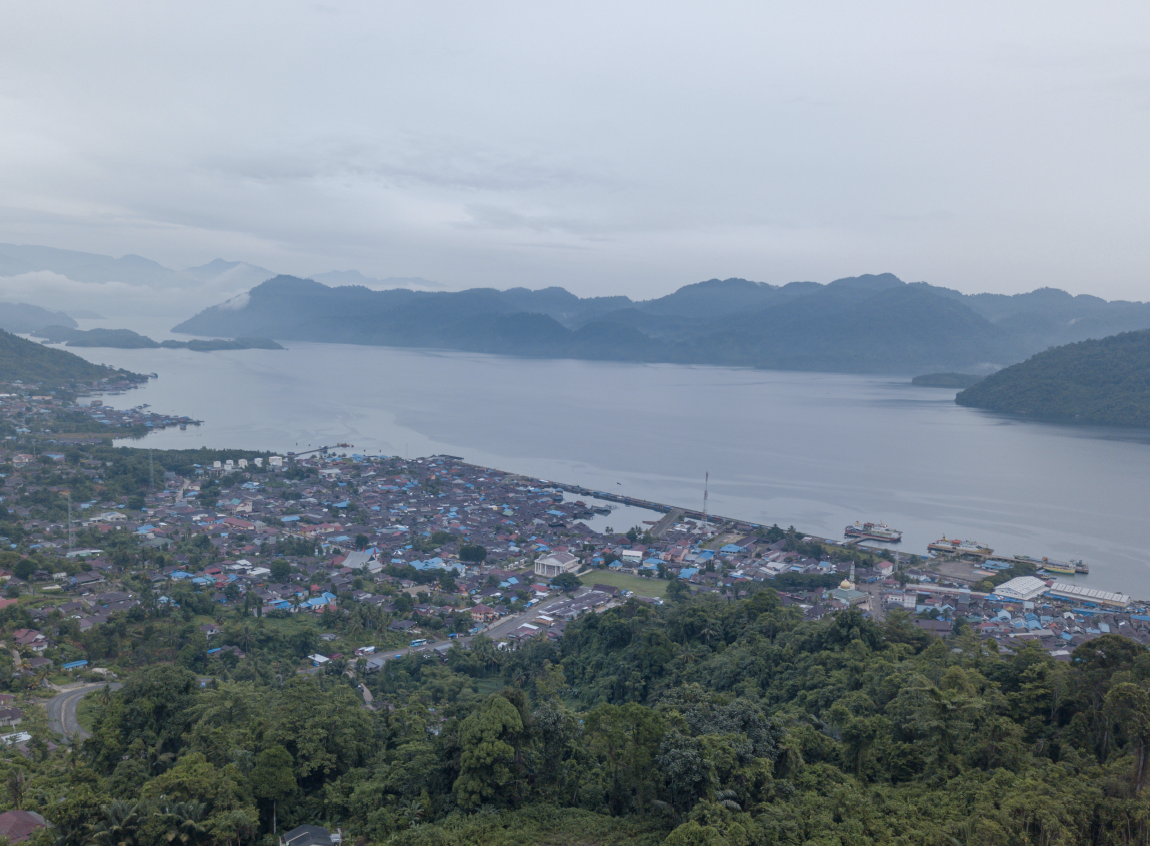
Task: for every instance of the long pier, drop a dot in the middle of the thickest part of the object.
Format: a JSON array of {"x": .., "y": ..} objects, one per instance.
[
  {"x": 635, "y": 502},
  {"x": 622, "y": 499},
  {"x": 674, "y": 513}
]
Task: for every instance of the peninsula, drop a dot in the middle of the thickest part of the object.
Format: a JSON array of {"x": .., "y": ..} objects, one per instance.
[
  {"x": 1100, "y": 382},
  {"x": 126, "y": 339}
]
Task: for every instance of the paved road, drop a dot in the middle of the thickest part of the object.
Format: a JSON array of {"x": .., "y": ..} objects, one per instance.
[
  {"x": 878, "y": 613},
  {"x": 62, "y": 709},
  {"x": 669, "y": 519}
]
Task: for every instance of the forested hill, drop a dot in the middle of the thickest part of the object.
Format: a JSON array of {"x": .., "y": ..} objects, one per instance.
[
  {"x": 36, "y": 364},
  {"x": 1105, "y": 382},
  {"x": 861, "y": 324},
  {"x": 705, "y": 721}
]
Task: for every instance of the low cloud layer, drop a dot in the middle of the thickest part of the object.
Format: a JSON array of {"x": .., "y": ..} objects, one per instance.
[{"x": 112, "y": 299}]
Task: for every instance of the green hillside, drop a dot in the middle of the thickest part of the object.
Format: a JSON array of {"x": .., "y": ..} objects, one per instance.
[
  {"x": 34, "y": 363},
  {"x": 1105, "y": 382}
]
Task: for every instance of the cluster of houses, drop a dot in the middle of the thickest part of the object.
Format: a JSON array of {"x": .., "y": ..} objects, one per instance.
[
  {"x": 29, "y": 412},
  {"x": 438, "y": 542},
  {"x": 1057, "y": 616}
]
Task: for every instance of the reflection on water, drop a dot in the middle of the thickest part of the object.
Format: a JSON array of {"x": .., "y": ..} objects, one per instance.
[{"x": 814, "y": 450}]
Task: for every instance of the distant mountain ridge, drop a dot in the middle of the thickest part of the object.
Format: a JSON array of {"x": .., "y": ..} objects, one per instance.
[
  {"x": 1103, "y": 382},
  {"x": 870, "y": 323},
  {"x": 22, "y": 318}
]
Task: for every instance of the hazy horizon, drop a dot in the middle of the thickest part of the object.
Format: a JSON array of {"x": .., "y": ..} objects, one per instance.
[{"x": 604, "y": 150}]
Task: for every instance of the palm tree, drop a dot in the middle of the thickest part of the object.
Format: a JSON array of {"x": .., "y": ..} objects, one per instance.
[
  {"x": 412, "y": 811},
  {"x": 182, "y": 821},
  {"x": 119, "y": 826},
  {"x": 709, "y": 630},
  {"x": 16, "y": 787},
  {"x": 246, "y": 638},
  {"x": 171, "y": 636},
  {"x": 727, "y": 798},
  {"x": 157, "y": 760}
]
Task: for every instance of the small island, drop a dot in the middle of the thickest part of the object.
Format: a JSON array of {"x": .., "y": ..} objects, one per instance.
[
  {"x": 946, "y": 380},
  {"x": 126, "y": 339}
]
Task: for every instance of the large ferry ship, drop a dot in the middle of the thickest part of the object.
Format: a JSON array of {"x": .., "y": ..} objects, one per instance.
[
  {"x": 952, "y": 546},
  {"x": 874, "y": 531},
  {"x": 1066, "y": 568}
]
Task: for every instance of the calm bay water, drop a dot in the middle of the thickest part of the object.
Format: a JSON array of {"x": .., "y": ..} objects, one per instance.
[{"x": 814, "y": 450}]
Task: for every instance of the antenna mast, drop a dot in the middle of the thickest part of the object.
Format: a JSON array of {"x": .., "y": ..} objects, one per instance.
[{"x": 71, "y": 537}]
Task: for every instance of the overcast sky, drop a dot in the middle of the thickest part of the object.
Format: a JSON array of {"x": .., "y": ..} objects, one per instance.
[{"x": 606, "y": 147}]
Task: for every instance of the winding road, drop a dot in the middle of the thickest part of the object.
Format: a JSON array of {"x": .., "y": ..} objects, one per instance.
[
  {"x": 63, "y": 706},
  {"x": 62, "y": 709}
]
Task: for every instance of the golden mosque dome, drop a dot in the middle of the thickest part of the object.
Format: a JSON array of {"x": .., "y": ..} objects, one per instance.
[{"x": 846, "y": 584}]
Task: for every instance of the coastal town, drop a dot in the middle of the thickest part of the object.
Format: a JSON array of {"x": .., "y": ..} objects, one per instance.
[
  {"x": 393, "y": 557},
  {"x": 468, "y": 545}
]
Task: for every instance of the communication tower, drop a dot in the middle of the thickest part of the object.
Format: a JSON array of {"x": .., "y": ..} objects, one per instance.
[{"x": 706, "y": 486}]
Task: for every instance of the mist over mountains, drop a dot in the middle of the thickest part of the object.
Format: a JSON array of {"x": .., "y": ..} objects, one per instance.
[
  {"x": 22, "y": 318},
  {"x": 132, "y": 285},
  {"x": 870, "y": 323}
]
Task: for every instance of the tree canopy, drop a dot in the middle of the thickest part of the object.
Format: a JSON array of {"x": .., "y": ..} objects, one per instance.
[{"x": 701, "y": 721}]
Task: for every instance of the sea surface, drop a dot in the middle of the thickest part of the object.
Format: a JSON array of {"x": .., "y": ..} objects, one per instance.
[{"x": 812, "y": 450}]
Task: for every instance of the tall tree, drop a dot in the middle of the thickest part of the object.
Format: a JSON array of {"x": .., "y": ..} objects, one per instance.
[{"x": 272, "y": 779}]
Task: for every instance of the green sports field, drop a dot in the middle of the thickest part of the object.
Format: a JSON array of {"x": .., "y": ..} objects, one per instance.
[{"x": 636, "y": 584}]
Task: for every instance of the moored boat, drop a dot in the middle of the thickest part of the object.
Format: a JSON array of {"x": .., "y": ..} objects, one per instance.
[
  {"x": 873, "y": 531},
  {"x": 961, "y": 548},
  {"x": 1050, "y": 565}
]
